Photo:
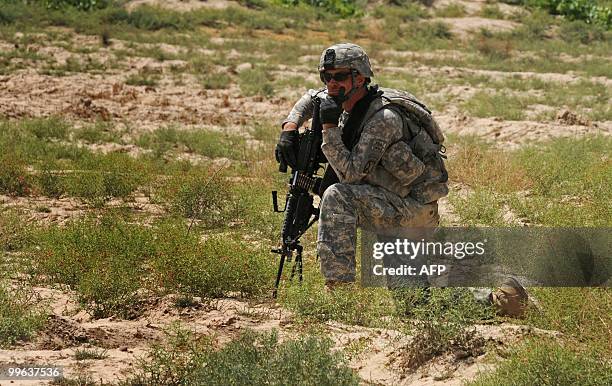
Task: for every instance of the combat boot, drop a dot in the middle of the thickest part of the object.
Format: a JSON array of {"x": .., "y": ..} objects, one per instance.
[{"x": 510, "y": 299}]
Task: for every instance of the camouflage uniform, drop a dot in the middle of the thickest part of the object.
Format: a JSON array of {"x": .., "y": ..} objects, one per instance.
[{"x": 377, "y": 178}]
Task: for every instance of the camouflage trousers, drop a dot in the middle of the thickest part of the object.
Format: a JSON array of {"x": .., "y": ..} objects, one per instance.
[{"x": 345, "y": 207}]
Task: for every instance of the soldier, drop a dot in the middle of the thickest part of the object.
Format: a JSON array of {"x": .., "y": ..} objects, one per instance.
[
  {"x": 367, "y": 151},
  {"x": 384, "y": 173}
]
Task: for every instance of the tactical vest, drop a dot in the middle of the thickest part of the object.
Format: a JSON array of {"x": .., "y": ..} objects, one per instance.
[{"x": 416, "y": 162}]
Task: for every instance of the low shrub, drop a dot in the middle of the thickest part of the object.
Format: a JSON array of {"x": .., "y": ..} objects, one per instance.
[
  {"x": 100, "y": 178},
  {"x": 252, "y": 358},
  {"x": 14, "y": 177},
  {"x": 20, "y": 317},
  {"x": 218, "y": 266},
  {"x": 15, "y": 234},
  {"x": 102, "y": 259},
  {"x": 256, "y": 81},
  {"x": 199, "y": 195},
  {"x": 350, "y": 304},
  {"x": 544, "y": 362},
  {"x": 579, "y": 31},
  {"x": 444, "y": 323}
]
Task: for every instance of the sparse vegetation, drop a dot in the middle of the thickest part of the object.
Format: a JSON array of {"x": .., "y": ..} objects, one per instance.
[
  {"x": 123, "y": 208},
  {"x": 250, "y": 359},
  {"x": 20, "y": 316},
  {"x": 548, "y": 363},
  {"x": 85, "y": 353}
]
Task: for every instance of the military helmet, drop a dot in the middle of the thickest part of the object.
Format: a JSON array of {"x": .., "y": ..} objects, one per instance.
[{"x": 346, "y": 55}]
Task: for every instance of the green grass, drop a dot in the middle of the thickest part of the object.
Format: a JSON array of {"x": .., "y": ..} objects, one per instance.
[
  {"x": 81, "y": 354},
  {"x": 219, "y": 266},
  {"x": 144, "y": 77},
  {"x": 74, "y": 65},
  {"x": 493, "y": 104},
  {"x": 99, "y": 132},
  {"x": 567, "y": 179},
  {"x": 543, "y": 362},
  {"x": 256, "y": 81},
  {"x": 451, "y": 10},
  {"x": 202, "y": 195},
  {"x": 20, "y": 316},
  {"x": 252, "y": 358},
  {"x": 15, "y": 234},
  {"x": 215, "y": 81},
  {"x": 492, "y": 12},
  {"x": 111, "y": 262},
  {"x": 351, "y": 305},
  {"x": 581, "y": 314},
  {"x": 200, "y": 141},
  {"x": 102, "y": 259},
  {"x": 572, "y": 179}
]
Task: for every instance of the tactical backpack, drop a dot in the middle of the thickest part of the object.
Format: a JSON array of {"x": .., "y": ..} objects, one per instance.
[{"x": 425, "y": 139}]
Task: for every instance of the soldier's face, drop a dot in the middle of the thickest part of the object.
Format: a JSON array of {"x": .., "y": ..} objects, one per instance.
[{"x": 334, "y": 85}]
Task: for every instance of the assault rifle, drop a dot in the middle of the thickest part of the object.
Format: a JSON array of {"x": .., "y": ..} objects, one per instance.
[{"x": 300, "y": 213}]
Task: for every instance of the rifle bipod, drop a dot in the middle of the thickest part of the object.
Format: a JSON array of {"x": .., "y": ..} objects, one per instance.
[{"x": 297, "y": 264}]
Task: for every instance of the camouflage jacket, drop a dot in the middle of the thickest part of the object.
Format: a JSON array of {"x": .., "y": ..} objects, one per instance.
[{"x": 391, "y": 152}]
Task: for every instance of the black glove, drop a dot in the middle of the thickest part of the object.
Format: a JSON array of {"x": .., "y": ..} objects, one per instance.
[
  {"x": 329, "y": 111},
  {"x": 287, "y": 148}
]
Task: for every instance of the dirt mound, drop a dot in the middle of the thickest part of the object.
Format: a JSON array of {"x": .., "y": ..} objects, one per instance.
[{"x": 568, "y": 117}]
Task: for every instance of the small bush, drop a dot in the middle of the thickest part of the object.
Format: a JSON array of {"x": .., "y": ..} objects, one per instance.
[
  {"x": 444, "y": 324},
  {"x": 403, "y": 12},
  {"x": 153, "y": 19},
  {"x": 586, "y": 10},
  {"x": 143, "y": 78},
  {"x": 429, "y": 31},
  {"x": 82, "y": 354},
  {"x": 256, "y": 81},
  {"x": 451, "y": 10},
  {"x": 199, "y": 195},
  {"x": 215, "y": 81},
  {"x": 251, "y": 359},
  {"x": 103, "y": 177},
  {"x": 494, "y": 48},
  {"x": 200, "y": 141},
  {"x": 502, "y": 105},
  {"x": 579, "y": 31},
  {"x": 49, "y": 182},
  {"x": 19, "y": 316},
  {"x": 14, "y": 177},
  {"x": 544, "y": 362},
  {"x": 15, "y": 234},
  {"x": 534, "y": 26},
  {"x": 492, "y": 12},
  {"x": 219, "y": 266},
  {"x": 47, "y": 128},
  {"x": 84, "y": 5},
  {"x": 101, "y": 259},
  {"x": 342, "y": 8},
  {"x": 350, "y": 305}
]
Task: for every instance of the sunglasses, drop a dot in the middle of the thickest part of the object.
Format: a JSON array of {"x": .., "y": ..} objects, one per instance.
[{"x": 338, "y": 77}]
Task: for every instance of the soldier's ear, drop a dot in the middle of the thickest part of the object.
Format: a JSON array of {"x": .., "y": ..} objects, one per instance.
[{"x": 359, "y": 80}]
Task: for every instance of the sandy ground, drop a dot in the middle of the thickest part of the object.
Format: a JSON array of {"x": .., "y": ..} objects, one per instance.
[
  {"x": 86, "y": 97},
  {"x": 377, "y": 358}
]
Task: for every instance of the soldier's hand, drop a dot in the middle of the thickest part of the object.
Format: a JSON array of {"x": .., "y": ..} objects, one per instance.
[
  {"x": 329, "y": 111},
  {"x": 287, "y": 148}
]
